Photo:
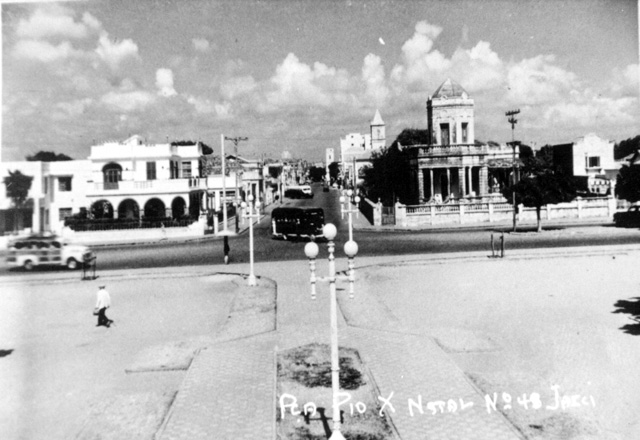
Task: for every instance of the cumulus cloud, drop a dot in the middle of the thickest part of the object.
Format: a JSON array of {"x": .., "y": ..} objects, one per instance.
[
  {"x": 592, "y": 112},
  {"x": 237, "y": 86},
  {"x": 295, "y": 83},
  {"x": 374, "y": 79},
  {"x": 76, "y": 107},
  {"x": 200, "y": 44},
  {"x": 478, "y": 68},
  {"x": 128, "y": 101},
  {"x": 537, "y": 80},
  {"x": 113, "y": 53},
  {"x": 54, "y": 20},
  {"x": 420, "y": 61},
  {"x": 164, "y": 82},
  {"x": 44, "y": 51}
]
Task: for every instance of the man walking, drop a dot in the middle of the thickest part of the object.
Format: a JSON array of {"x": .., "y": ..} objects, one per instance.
[
  {"x": 226, "y": 249},
  {"x": 103, "y": 302}
]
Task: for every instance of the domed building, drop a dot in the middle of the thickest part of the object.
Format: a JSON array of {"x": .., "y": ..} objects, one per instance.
[{"x": 453, "y": 165}]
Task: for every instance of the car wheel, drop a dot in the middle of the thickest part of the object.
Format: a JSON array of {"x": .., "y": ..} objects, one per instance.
[
  {"x": 72, "y": 264},
  {"x": 28, "y": 265}
]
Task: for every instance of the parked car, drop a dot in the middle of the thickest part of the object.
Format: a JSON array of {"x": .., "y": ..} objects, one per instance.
[
  {"x": 299, "y": 192},
  {"x": 47, "y": 250},
  {"x": 627, "y": 219}
]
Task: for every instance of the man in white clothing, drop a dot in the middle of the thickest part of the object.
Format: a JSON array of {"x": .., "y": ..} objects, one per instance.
[{"x": 102, "y": 304}]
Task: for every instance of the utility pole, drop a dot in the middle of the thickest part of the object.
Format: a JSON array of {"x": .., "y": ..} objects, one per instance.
[
  {"x": 235, "y": 141},
  {"x": 513, "y": 121},
  {"x": 224, "y": 186}
]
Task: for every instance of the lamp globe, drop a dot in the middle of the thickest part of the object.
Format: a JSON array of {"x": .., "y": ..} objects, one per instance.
[
  {"x": 329, "y": 231},
  {"x": 311, "y": 250},
  {"x": 351, "y": 248}
]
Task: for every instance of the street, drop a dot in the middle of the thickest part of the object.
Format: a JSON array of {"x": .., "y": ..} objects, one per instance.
[{"x": 209, "y": 250}]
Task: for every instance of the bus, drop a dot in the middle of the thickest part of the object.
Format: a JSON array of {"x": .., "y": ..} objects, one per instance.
[
  {"x": 47, "y": 250},
  {"x": 298, "y": 222}
]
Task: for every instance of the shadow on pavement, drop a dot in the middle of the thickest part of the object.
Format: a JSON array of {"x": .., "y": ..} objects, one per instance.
[{"x": 631, "y": 307}]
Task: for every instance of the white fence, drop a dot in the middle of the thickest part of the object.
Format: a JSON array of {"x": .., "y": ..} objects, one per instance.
[{"x": 460, "y": 213}]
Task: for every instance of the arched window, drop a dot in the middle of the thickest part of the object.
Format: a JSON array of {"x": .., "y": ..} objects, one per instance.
[{"x": 112, "y": 173}]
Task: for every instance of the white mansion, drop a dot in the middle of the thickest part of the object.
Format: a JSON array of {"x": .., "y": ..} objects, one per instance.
[{"x": 129, "y": 179}]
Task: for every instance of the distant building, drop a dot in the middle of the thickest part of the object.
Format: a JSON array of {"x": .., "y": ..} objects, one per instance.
[
  {"x": 356, "y": 149},
  {"x": 129, "y": 179},
  {"x": 589, "y": 157},
  {"x": 453, "y": 165},
  {"x": 329, "y": 158}
]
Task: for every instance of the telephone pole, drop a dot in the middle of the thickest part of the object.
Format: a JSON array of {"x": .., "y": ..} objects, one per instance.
[
  {"x": 513, "y": 121},
  {"x": 235, "y": 141}
]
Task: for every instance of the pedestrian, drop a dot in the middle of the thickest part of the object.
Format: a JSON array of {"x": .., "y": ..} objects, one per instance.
[
  {"x": 103, "y": 302},
  {"x": 226, "y": 249}
]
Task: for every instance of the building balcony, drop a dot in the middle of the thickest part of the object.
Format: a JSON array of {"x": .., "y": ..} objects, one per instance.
[
  {"x": 458, "y": 150},
  {"x": 183, "y": 185},
  {"x": 146, "y": 186}
]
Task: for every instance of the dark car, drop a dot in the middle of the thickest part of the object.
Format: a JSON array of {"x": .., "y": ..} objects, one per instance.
[
  {"x": 297, "y": 222},
  {"x": 628, "y": 219}
]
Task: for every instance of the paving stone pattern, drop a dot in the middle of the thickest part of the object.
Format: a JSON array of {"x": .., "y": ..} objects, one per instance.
[
  {"x": 228, "y": 393},
  {"x": 229, "y": 389}
]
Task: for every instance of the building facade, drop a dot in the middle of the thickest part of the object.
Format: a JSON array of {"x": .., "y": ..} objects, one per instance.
[
  {"x": 453, "y": 165},
  {"x": 589, "y": 157},
  {"x": 356, "y": 149},
  {"x": 129, "y": 179}
]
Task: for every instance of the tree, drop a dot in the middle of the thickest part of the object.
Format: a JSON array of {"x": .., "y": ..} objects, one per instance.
[
  {"x": 334, "y": 171},
  {"x": 626, "y": 147},
  {"x": 413, "y": 136},
  {"x": 628, "y": 183},
  {"x": 316, "y": 174},
  {"x": 205, "y": 148},
  {"x": 48, "y": 156},
  {"x": 540, "y": 185},
  {"x": 388, "y": 177},
  {"x": 18, "y": 186}
]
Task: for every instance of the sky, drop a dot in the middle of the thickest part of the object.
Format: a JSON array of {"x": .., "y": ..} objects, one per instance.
[{"x": 297, "y": 76}]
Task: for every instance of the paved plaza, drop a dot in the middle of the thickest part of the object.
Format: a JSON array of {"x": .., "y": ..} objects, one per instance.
[{"x": 192, "y": 354}]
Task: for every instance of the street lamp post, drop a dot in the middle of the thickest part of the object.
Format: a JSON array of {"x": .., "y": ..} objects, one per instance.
[
  {"x": 311, "y": 251},
  {"x": 513, "y": 121},
  {"x": 235, "y": 141},
  {"x": 250, "y": 216},
  {"x": 224, "y": 185},
  {"x": 349, "y": 210}
]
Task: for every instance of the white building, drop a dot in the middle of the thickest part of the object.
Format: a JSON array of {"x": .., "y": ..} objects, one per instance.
[
  {"x": 58, "y": 189},
  {"x": 129, "y": 179},
  {"x": 590, "y": 157},
  {"x": 356, "y": 149}
]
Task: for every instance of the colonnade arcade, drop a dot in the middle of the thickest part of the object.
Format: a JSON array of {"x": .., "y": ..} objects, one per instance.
[
  {"x": 135, "y": 207},
  {"x": 440, "y": 184}
]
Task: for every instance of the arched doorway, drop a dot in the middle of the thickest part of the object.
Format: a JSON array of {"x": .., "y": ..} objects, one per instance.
[
  {"x": 178, "y": 208},
  {"x": 154, "y": 208},
  {"x": 195, "y": 204},
  {"x": 112, "y": 174},
  {"x": 102, "y": 209},
  {"x": 129, "y": 209}
]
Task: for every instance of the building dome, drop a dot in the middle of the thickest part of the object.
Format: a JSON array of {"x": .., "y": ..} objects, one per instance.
[{"x": 450, "y": 89}]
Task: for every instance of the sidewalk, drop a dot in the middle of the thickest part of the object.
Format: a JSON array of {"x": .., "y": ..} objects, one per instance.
[{"x": 229, "y": 391}]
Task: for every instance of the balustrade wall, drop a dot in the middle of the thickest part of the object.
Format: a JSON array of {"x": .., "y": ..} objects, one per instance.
[{"x": 489, "y": 212}]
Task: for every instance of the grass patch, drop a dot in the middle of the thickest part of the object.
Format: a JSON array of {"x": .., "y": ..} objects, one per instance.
[{"x": 304, "y": 375}]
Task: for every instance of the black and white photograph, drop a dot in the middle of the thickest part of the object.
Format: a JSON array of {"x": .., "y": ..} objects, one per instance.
[{"x": 311, "y": 220}]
